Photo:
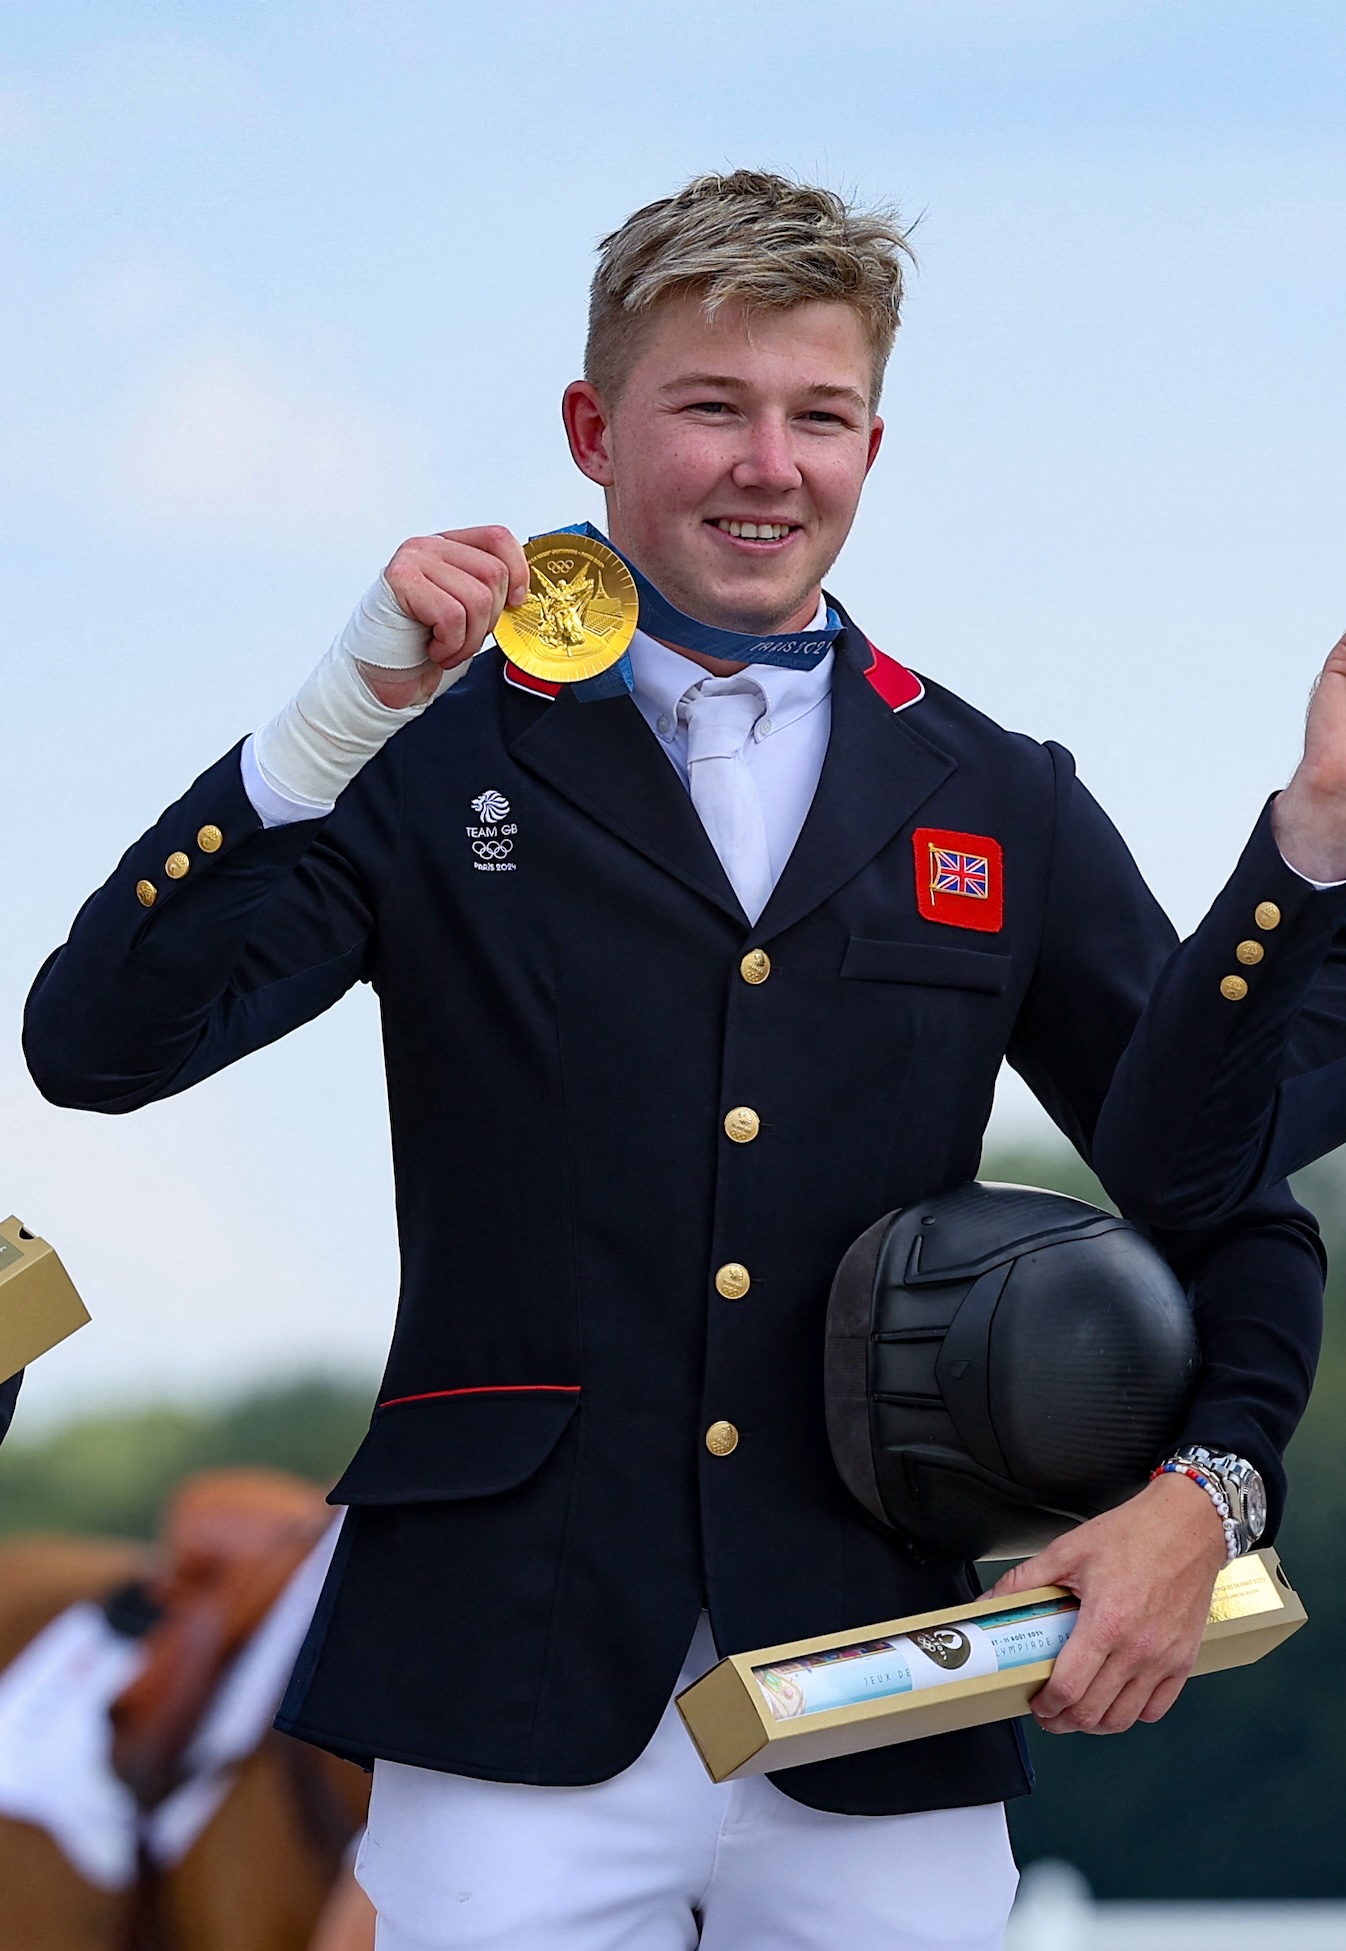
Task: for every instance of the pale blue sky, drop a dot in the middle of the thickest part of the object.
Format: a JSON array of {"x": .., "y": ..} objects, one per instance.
[{"x": 285, "y": 282}]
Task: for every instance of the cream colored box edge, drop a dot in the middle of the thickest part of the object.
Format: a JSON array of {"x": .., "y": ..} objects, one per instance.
[
  {"x": 39, "y": 1304},
  {"x": 736, "y": 1735}
]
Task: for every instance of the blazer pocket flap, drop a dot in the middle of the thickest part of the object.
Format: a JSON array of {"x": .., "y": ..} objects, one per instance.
[
  {"x": 455, "y": 1443},
  {"x": 926, "y": 962}
]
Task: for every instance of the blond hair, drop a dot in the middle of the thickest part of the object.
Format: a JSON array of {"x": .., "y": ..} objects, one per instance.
[{"x": 750, "y": 239}]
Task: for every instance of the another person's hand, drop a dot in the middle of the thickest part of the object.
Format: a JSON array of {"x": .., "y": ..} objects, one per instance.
[
  {"x": 1144, "y": 1574},
  {"x": 456, "y": 585},
  {"x": 1309, "y": 817}
]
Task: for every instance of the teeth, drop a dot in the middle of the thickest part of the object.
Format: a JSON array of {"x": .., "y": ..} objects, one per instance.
[{"x": 756, "y": 531}]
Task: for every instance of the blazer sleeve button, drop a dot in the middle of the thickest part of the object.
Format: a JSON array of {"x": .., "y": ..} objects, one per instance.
[
  {"x": 1250, "y": 954},
  {"x": 146, "y": 893},
  {"x": 1233, "y": 989}
]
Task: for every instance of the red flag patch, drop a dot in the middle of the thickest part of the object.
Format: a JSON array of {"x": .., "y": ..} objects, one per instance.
[{"x": 960, "y": 879}]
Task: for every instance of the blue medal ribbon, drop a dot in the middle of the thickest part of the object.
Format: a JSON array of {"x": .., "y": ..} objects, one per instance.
[{"x": 793, "y": 650}]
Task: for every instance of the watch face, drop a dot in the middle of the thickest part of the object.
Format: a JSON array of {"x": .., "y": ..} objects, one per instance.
[{"x": 1255, "y": 1506}]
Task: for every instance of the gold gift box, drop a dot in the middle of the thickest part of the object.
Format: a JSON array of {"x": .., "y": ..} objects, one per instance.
[
  {"x": 38, "y": 1302},
  {"x": 1253, "y": 1609}
]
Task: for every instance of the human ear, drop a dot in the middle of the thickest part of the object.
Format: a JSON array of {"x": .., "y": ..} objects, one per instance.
[
  {"x": 875, "y": 442},
  {"x": 587, "y": 426}
]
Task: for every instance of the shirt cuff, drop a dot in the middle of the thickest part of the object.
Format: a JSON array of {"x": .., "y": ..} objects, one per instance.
[
  {"x": 1319, "y": 887},
  {"x": 272, "y": 806}
]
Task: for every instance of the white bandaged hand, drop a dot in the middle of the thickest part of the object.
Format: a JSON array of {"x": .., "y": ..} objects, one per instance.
[{"x": 295, "y": 767}]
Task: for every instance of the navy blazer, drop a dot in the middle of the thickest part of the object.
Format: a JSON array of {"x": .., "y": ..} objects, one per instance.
[
  {"x": 572, "y": 1000},
  {"x": 1236, "y": 1074}
]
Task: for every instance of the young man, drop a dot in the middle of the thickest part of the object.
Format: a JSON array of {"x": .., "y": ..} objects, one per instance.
[{"x": 681, "y": 988}]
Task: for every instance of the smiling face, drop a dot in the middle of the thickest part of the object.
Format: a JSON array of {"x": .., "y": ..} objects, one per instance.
[{"x": 734, "y": 456}]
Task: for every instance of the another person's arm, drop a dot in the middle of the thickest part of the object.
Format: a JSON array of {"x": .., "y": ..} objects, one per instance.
[
  {"x": 1236, "y": 1074},
  {"x": 1145, "y": 1571}
]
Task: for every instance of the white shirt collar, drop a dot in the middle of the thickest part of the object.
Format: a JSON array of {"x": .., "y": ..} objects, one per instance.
[{"x": 663, "y": 678}]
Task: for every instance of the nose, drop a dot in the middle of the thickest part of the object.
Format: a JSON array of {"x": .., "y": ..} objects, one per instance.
[{"x": 767, "y": 462}]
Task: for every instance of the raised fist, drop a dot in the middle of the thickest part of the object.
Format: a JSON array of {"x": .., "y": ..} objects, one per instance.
[{"x": 456, "y": 585}]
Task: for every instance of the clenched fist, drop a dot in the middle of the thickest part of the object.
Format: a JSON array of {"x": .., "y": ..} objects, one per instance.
[{"x": 456, "y": 585}]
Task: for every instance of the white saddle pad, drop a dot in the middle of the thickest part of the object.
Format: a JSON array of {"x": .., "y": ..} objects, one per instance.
[
  {"x": 56, "y": 1743},
  {"x": 56, "y": 1739}
]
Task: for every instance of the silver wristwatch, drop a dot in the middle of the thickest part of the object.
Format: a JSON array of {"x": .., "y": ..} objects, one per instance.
[{"x": 1241, "y": 1488}]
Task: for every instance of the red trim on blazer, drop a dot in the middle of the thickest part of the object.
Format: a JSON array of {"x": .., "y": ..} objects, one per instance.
[
  {"x": 895, "y": 684},
  {"x": 488, "y": 1389},
  {"x": 540, "y": 687}
]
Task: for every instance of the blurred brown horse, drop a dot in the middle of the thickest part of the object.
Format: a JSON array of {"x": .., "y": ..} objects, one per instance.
[{"x": 259, "y": 1875}]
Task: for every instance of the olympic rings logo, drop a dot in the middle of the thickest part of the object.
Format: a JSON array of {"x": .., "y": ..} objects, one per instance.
[{"x": 492, "y": 849}]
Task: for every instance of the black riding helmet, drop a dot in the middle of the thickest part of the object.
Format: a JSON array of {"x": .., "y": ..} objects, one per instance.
[{"x": 1002, "y": 1363}]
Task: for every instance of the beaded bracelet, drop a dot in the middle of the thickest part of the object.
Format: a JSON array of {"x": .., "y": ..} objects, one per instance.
[{"x": 1232, "y": 1542}]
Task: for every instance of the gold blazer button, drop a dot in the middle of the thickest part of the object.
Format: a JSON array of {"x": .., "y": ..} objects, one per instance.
[
  {"x": 721, "y": 1439},
  {"x": 732, "y": 1281}
]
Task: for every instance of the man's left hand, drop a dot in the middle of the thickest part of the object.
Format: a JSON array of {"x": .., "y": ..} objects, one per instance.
[{"x": 1144, "y": 1574}]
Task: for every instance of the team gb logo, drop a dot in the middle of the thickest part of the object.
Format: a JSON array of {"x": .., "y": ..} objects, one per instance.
[{"x": 493, "y": 841}]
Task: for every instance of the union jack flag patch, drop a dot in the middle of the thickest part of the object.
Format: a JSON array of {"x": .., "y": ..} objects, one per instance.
[{"x": 960, "y": 879}]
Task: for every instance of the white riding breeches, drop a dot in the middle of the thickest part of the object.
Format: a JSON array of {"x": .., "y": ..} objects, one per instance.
[{"x": 660, "y": 1858}]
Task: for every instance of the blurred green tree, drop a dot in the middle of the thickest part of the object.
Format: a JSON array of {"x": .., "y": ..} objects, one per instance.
[{"x": 111, "y": 1474}]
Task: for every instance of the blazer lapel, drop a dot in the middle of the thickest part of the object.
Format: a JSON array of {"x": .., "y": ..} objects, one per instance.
[
  {"x": 606, "y": 760},
  {"x": 878, "y": 770}
]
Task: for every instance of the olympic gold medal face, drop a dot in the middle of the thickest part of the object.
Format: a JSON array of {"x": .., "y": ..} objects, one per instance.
[{"x": 580, "y": 612}]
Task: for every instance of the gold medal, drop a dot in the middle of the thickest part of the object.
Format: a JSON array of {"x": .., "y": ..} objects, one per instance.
[{"x": 580, "y": 612}]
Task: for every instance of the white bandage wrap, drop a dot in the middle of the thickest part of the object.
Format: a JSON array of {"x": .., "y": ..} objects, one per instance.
[{"x": 301, "y": 760}]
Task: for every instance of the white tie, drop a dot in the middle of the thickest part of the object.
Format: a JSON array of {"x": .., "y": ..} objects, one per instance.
[{"x": 719, "y": 714}]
